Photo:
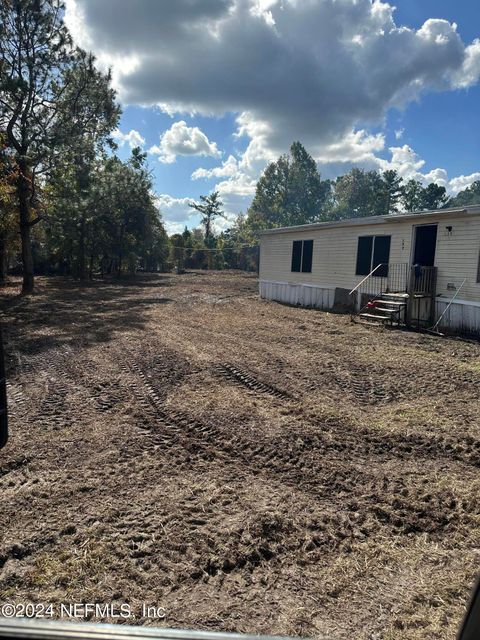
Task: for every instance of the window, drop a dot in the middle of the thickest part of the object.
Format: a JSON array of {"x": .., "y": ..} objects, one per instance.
[
  {"x": 302, "y": 252},
  {"x": 478, "y": 269},
  {"x": 372, "y": 251}
]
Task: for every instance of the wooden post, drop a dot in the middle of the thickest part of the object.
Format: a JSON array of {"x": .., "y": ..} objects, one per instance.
[
  {"x": 432, "y": 296},
  {"x": 410, "y": 287}
]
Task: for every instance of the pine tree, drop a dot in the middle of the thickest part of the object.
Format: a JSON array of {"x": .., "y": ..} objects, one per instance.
[
  {"x": 412, "y": 195},
  {"x": 45, "y": 99},
  {"x": 392, "y": 189},
  {"x": 434, "y": 196},
  {"x": 210, "y": 207}
]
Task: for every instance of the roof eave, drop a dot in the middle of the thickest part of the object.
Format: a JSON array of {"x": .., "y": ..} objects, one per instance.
[{"x": 370, "y": 220}]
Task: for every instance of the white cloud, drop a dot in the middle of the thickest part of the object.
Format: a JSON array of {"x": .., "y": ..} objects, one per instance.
[
  {"x": 405, "y": 161},
  {"x": 310, "y": 71},
  {"x": 462, "y": 182},
  {"x": 318, "y": 71},
  {"x": 409, "y": 165},
  {"x": 132, "y": 138},
  {"x": 439, "y": 176},
  {"x": 181, "y": 140},
  {"x": 174, "y": 208},
  {"x": 399, "y": 134},
  {"x": 355, "y": 147},
  {"x": 469, "y": 73},
  {"x": 227, "y": 169},
  {"x": 175, "y": 212}
]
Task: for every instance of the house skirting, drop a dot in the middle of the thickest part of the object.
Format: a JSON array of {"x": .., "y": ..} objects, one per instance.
[
  {"x": 305, "y": 295},
  {"x": 463, "y": 316}
]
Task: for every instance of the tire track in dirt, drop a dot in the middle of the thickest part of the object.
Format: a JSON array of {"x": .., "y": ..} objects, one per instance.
[
  {"x": 13, "y": 465},
  {"x": 367, "y": 390},
  {"x": 17, "y": 401},
  {"x": 295, "y": 460},
  {"x": 245, "y": 379},
  {"x": 106, "y": 395},
  {"x": 68, "y": 367}
]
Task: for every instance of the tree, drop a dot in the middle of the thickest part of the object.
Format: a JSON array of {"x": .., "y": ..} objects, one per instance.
[
  {"x": 306, "y": 191},
  {"x": 412, "y": 195},
  {"x": 469, "y": 196},
  {"x": 240, "y": 245},
  {"x": 45, "y": 97},
  {"x": 289, "y": 192},
  {"x": 7, "y": 211},
  {"x": 177, "y": 251},
  {"x": 128, "y": 209},
  {"x": 116, "y": 225},
  {"x": 210, "y": 207},
  {"x": 269, "y": 207},
  {"x": 359, "y": 194},
  {"x": 392, "y": 189},
  {"x": 93, "y": 116},
  {"x": 434, "y": 196}
]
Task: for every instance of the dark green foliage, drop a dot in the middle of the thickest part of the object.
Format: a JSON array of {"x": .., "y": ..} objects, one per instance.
[
  {"x": 108, "y": 223},
  {"x": 469, "y": 196},
  {"x": 177, "y": 251},
  {"x": 359, "y": 194},
  {"x": 393, "y": 191},
  {"x": 412, "y": 196},
  {"x": 434, "y": 196},
  {"x": 289, "y": 192},
  {"x": 51, "y": 96}
]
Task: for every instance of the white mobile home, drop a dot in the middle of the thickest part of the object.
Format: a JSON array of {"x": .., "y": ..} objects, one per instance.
[{"x": 426, "y": 258}]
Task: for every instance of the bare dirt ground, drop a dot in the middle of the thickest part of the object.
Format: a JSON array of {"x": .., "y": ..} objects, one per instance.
[{"x": 247, "y": 466}]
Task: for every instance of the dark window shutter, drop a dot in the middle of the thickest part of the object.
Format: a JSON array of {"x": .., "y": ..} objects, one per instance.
[
  {"x": 297, "y": 255},
  {"x": 364, "y": 256},
  {"x": 381, "y": 255},
  {"x": 307, "y": 256}
]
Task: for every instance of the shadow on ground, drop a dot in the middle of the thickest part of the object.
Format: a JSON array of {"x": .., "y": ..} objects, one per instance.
[{"x": 64, "y": 313}]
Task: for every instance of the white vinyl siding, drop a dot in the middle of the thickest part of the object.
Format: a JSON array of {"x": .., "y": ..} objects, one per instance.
[{"x": 335, "y": 252}]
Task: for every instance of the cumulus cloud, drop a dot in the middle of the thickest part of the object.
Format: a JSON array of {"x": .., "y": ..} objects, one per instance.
[
  {"x": 399, "y": 134},
  {"x": 319, "y": 71},
  {"x": 462, "y": 182},
  {"x": 355, "y": 147},
  {"x": 469, "y": 72},
  {"x": 174, "y": 208},
  {"x": 181, "y": 140},
  {"x": 175, "y": 212},
  {"x": 409, "y": 165},
  {"x": 303, "y": 70},
  {"x": 132, "y": 138},
  {"x": 228, "y": 169}
]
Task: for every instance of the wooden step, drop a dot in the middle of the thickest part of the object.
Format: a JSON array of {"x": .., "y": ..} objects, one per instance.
[
  {"x": 374, "y": 316},
  {"x": 385, "y": 310},
  {"x": 392, "y": 302},
  {"x": 397, "y": 296}
]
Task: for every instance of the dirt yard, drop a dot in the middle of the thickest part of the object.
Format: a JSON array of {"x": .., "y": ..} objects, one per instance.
[{"x": 247, "y": 466}]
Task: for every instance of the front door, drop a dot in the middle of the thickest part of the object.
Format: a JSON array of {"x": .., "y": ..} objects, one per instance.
[{"x": 425, "y": 243}]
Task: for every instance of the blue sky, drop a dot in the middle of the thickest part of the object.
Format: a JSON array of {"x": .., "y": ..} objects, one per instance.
[{"x": 215, "y": 90}]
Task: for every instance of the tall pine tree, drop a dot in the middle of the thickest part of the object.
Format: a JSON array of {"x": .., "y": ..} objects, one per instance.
[{"x": 42, "y": 100}]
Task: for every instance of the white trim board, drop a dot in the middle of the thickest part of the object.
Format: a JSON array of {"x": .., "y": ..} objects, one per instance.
[
  {"x": 468, "y": 303},
  {"x": 298, "y": 284}
]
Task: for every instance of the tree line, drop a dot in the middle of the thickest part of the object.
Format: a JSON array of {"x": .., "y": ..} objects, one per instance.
[
  {"x": 69, "y": 205},
  {"x": 292, "y": 192}
]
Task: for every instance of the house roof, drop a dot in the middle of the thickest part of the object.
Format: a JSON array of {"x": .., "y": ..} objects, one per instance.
[{"x": 369, "y": 220}]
